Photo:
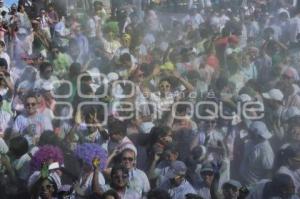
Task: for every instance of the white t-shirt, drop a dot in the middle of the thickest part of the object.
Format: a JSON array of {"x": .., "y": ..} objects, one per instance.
[
  {"x": 5, "y": 119},
  {"x": 128, "y": 194},
  {"x": 258, "y": 159},
  {"x": 139, "y": 181},
  {"x": 180, "y": 191},
  {"x": 37, "y": 124},
  {"x": 40, "y": 83},
  {"x": 195, "y": 20},
  {"x": 5, "y": 56},
  {"x": 86, "y": 187},
  {"x": 294, "y": 28},
  {"x": 92, "y": 25}
]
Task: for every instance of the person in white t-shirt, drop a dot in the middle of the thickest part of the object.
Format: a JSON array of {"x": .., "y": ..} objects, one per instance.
[
  {"x": 46, "y": 77},
  {"x": 176, "y": 184},
  {"x": 92, "y": 160},
  {"x": 4, "y": 55},
  {"x": 5, "y": 119},
  {"x": 294, "y": 27},
  {"x": 31, "y": 124},
  {"x": 193, "y": 18},
  {"x": 119, "y": 183},
  {"x": 258, "y": 154},
  {"x": 138, "y": 180}
]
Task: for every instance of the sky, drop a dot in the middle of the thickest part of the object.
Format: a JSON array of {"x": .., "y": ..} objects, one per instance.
[{"x": 9, "y": 2}]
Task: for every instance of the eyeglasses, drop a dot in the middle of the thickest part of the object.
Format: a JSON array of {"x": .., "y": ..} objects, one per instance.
[{"x": 130, "y": 159}]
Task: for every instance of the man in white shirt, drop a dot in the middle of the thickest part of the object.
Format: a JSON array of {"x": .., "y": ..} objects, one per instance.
[
  {"x": 294, "y": 27},
  {"x": 118, "y": 139},
  {"x": 138, "y": 180},
  {"x": 193, "y": 18},
  {"x": 31, "y": 124},
  {"x": 258, "y": 154},
  {"x": 46, "y": 77},
  {"x": 176, "y": 184}
]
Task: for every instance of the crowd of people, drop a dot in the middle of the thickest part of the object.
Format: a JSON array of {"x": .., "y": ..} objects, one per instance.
[{"x": 139, "y": 102}]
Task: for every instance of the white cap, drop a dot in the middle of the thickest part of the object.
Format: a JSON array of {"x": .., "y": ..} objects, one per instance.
[
  {"x": 261, "y": 129},
  {"x": 291, "y": 112},
  {"x": 245, "y": 98},
  {"x": 273, "y": 94},
  {"x": 112, "y": 77}
]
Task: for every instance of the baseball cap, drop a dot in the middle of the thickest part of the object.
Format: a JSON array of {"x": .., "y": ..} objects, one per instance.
[
  {"x": 177, "y": 168},
  {"x": 261, "y": 129},
  {"x": 291, "y": 112},
  {"x": 233, "y": 183},
  {"x": 207, "y": 168},
  {"x": 273, "y": 94}
]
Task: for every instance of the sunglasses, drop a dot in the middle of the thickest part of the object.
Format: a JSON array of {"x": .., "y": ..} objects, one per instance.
[
  {"x": 179, "y": 177},
  {"x": 227, "y": 188},
  {"x": 165, "y": 86},
  {"x": 286, "y": 77},
  {"x": 130, "y": 159},
  {"x": 47, "y": 187},
  {"x": 30, "y": 104},
  {"x": 124, "y": 176},
  {"x": 207, "y": 173}
]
